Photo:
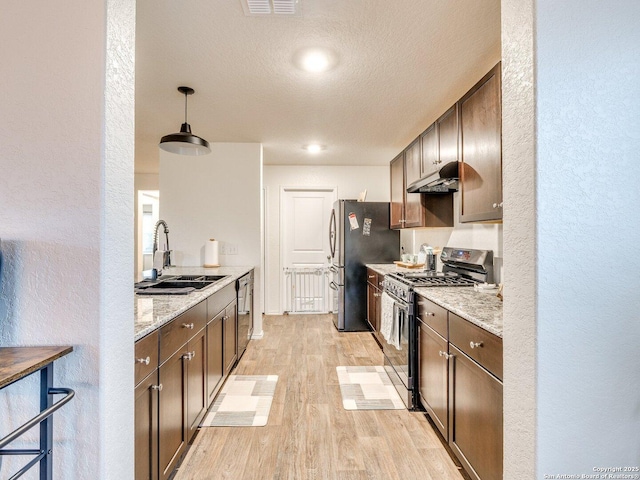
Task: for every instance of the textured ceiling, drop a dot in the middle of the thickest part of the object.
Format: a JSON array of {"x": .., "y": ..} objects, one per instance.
[{"x": 400, "y": 64}]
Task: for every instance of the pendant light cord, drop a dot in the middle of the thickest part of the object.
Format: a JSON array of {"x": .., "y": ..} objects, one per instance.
[{"x": 185, "y": 107}]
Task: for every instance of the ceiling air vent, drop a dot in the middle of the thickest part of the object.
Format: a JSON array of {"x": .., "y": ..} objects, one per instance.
[{"x": 271, "y": 7}]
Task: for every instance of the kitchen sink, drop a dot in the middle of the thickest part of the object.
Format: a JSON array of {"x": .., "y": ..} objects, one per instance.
[{"x": 176, "y": 284}]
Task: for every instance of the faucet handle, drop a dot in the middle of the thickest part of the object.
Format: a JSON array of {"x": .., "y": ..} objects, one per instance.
[{"x": 166, "y": 261}]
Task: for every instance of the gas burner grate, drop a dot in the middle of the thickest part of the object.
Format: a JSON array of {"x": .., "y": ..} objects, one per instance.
[{"x": 441, "y": 282}]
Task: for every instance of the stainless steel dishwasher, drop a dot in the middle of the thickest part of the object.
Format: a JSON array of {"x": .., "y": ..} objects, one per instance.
[{"x": 244, "y": 288}]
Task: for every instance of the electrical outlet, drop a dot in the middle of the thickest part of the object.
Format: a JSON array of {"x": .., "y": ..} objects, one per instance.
[{"x": 232, "y": 249}]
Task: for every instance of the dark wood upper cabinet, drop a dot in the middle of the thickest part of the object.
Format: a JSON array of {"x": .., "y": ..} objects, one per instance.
[
  {"x": 414, "y": 215},
  {"x": 397, "y": 192},
  {"x": 429, "y": 140},
  {"x": 481, "y": 150},
  {"x": 415, "y": 209},
  {"x": 448, "y": 137}
]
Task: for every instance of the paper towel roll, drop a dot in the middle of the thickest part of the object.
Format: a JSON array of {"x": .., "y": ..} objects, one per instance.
[{"x": 211, "y": 253}]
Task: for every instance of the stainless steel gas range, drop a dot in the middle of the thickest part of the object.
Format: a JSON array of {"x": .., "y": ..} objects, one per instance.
[{"x": 462, "y": 267}]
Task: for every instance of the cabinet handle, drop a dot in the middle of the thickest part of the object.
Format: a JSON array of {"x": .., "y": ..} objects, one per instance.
[
  {"x": 377, "y": 294},
  {"x": 495, "y": 205},
  {"x": 157, "y": 387},
  {"x": 225, "y": 317},
  {"x": 475, "y": 344},
  {"x": 445, "y": 355},
  {"x": 402, "y": 220},
  {"x": 146, "y": 361},
  {"x": 188, "y": 325},
  {"x": 370, "y": 276},
  {"x": 430, "y": 314},
  {"x": 500, "y": 204},
  {"x": 189, "y": 356}
]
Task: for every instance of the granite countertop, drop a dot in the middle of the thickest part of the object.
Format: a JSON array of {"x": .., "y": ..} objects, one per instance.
[
  {"x": 481, "y": 309},
  {"x": 385, "y": 268},
  {"x": 153, "y": 311}
]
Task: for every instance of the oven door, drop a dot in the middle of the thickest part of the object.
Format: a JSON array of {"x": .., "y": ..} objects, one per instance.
[{"x": 398, "y": 359}]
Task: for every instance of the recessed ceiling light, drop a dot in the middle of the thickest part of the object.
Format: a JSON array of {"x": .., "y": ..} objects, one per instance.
[
  {"x": 315, "y": 60},
  {"x": 314, "y": 148}
]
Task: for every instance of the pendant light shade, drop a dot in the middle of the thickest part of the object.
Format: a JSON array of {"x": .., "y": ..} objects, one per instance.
[{"x": 184, "y": 142}]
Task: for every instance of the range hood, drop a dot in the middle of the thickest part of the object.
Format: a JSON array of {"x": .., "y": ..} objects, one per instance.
[{"x": 444, "y": 180}]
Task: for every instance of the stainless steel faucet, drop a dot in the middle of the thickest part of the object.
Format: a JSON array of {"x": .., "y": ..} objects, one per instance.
[{"x": 166, "y": 261}]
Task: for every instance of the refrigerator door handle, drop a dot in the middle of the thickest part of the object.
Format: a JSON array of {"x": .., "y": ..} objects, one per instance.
[{"x": 332, "y": 233}]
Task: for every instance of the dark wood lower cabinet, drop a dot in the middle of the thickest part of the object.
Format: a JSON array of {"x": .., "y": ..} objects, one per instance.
[
  {"x": 475, "y": 417},
  {"x": 230, "y": 332},
  {"x": 185, "y": 363},
  {"x": 214, "y": 356},
  {"x": 433, "y": 372},
  {"x": 197, "y": 398},
  {"x": 146, "y": 428},
  {"x": 172, "y": 413}
]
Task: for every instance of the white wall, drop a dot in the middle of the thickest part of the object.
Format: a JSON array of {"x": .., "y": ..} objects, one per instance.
[
  {"x": 350, "y": 181},
  {"x": 215, "y": 196},
  {"x": 520, "y": 257},
  {"x": 583, "y": 60},
  {"x": 66, "y": 210},
  {"x": 588, "y": 104}
]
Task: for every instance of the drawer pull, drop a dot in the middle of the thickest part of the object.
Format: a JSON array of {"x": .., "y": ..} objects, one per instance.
[
  {"x": 371, "y": 276},
  {"x": 188, "y": 325},
  {"x": 475, "y": 344},
  {"x": 145, "y": 361},
  {"x": 430, "y": 314},
  {"x": 377, "y": 294},
  {"x": 157, "y": 387}
]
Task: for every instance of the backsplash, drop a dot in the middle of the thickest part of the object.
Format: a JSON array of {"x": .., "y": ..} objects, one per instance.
[{"x": 464, "y": 235}]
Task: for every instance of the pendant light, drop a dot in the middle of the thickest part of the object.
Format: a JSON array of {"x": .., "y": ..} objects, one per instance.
[{"x": 184, "y": 142}]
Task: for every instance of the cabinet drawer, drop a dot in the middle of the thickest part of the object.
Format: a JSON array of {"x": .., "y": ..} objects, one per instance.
[
  {"x": 219, "y": 300},
  {"x": 487, "y": 348},
  {"x": 372, "y": 277},
  {"x": 177, "y": 332},
  {"x": 433, "y": 315},
  {"x": 146, "y": 356}
]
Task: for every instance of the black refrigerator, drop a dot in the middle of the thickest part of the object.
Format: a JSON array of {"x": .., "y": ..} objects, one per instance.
[{"x": 358, "y": 234}]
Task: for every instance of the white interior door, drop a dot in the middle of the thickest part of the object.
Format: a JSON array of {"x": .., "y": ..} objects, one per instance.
[{"x": 304, "y": 223}]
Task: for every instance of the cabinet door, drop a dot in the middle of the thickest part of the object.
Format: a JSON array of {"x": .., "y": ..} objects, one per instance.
[
  {"x": 413, "y": 203},
  {"x": 196, "y": 381},
  {"x": 481, "y": 150},
  {"x": 475, "y": 417},
  {"x": 397, "y": 192},
  {"x": 371, "y": 306},
  {"x": 146, "y": 429},
  {"x": 214, "y": 356},
  {"x": 434, "y": 377},
  {"x": 172, "y": 408},
  {"x": 230, "y": 332},
  {"x": 448, "y": 137},
  {"x": 429, "y": 151}
]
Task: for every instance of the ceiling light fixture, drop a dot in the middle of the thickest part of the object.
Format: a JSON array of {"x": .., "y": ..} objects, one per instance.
[
  {"x": 184, "y": 142},
  {"x": 314, "y": 148},
  {"x": 315, "y": 60}
]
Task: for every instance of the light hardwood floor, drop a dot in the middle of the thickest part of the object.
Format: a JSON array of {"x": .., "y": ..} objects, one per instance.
[{"x": 309, "y": 434}]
